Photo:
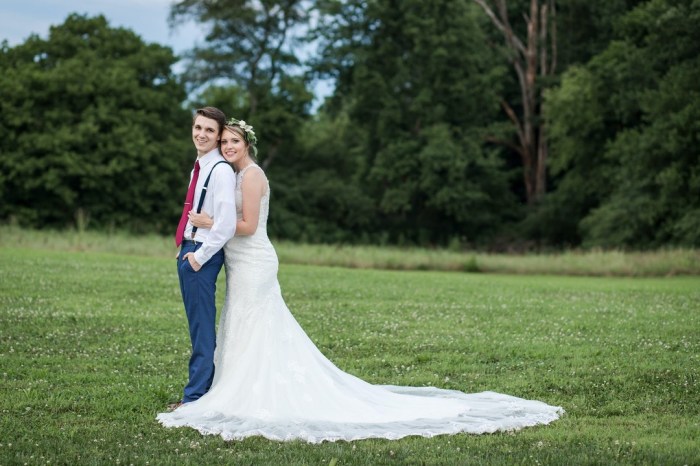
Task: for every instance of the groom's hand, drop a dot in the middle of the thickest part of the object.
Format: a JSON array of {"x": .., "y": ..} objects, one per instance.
[{"x": 190, "y": 257}]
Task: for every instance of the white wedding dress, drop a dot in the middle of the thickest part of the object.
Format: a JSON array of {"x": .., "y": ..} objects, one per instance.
[{"x": 271, "y": 380}]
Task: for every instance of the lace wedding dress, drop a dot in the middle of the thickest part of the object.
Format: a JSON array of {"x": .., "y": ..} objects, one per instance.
[{"x": 271, "y": 380}]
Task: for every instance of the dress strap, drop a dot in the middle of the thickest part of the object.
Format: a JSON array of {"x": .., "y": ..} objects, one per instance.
[{"x": 242, "y": 172}]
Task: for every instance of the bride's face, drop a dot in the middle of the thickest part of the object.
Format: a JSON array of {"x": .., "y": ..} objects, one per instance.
[{"x": 233, "y": 147}]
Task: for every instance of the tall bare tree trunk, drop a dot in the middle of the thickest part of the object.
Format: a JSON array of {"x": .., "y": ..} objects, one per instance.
[{"x": 531, "y": 61}]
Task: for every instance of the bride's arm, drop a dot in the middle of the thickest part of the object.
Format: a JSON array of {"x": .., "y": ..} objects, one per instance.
[
  {"x": 252, "y": 190},
  {"x": 200, "y": 220}
]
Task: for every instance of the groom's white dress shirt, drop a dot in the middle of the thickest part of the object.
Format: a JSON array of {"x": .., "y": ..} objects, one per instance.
[{"x": 219, "y": 204}]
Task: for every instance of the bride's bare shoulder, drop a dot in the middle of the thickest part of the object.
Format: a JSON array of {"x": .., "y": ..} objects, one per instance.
[{"x": 254, "y": 177}]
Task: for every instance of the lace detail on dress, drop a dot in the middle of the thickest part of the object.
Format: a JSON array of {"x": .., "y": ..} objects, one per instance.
[
  {"x": 264, "y": 202},
  {"x": 272, "y": 381}
]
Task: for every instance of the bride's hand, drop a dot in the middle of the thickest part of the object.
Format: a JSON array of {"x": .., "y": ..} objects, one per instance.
[{"x": 200, "y": 220}]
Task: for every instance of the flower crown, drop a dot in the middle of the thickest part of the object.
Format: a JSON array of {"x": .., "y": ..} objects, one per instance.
[{"x": 247, "y": 130}]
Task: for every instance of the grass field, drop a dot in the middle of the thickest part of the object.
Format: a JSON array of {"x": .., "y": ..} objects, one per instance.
[
  {"x": 659, "y": 263},
  {"x": 93, "y": 345}
]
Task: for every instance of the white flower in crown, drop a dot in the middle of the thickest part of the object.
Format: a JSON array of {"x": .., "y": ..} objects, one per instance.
[
  {"x": 248, "y": 129},
  {"x": 245, "y": 126}
]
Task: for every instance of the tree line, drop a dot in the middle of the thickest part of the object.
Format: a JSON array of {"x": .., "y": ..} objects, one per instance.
[{"x": 496, "y": 124}]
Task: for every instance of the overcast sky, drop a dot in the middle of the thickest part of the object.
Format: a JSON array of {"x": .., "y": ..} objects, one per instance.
[{"x": 147, "y": 18}]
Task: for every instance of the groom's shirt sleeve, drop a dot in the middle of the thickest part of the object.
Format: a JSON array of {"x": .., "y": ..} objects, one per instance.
[{"x": 222, "y": 191}]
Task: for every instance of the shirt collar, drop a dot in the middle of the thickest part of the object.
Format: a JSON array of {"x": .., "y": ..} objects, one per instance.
[{"x": 207, "y": 158}]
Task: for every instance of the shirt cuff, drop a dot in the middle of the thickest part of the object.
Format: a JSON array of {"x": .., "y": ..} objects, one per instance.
[{"x": 201, "y": 257}]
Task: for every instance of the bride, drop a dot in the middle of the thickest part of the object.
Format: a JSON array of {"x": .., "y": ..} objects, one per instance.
[{"x": 270, "y": 378}]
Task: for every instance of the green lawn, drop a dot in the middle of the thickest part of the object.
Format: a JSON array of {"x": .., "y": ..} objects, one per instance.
[
  {"x": 658, "y": 263},
  {"x": 93, "y": 345}
]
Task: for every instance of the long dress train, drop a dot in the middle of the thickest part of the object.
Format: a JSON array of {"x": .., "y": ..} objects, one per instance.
[{"x": 272, "y": 381}]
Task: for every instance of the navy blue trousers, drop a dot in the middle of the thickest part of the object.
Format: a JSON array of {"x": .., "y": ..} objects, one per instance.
[{"x": 198, "y": 291}]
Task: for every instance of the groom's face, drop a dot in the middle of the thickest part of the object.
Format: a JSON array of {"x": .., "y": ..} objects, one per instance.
[{"x": 205, "y": 134}]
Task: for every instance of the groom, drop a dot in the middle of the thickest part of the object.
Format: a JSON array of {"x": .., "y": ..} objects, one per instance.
[{"x": 212, "y": 187}]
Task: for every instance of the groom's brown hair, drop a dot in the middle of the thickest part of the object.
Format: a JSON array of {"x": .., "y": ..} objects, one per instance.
[{"x": 213, "y": 113}]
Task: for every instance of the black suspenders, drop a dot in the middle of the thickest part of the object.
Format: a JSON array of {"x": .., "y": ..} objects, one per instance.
[{"x": 204, "y": 193}]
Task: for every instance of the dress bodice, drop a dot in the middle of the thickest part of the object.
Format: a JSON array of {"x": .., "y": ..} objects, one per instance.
[
  {"x": 264, "y": 201},
  {"x": 256, "y": 246}
]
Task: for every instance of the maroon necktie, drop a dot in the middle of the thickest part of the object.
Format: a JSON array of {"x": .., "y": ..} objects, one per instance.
[{"x": 179, "y": 235}]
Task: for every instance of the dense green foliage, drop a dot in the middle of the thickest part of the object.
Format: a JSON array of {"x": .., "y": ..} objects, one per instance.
[
  {"x": 91, "y": 125},
  {"x": 421, "y": 93},
  {"x": 86, "y": 367},
  {"x": 625, "y": 131},
  {"x": 414, "y": 146}
]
